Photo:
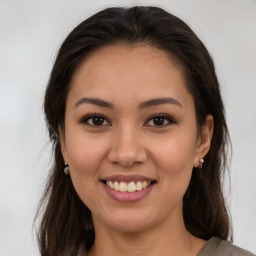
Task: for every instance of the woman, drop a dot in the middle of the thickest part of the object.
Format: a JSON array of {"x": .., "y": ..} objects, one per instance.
[{"x": 136, "y": 118}]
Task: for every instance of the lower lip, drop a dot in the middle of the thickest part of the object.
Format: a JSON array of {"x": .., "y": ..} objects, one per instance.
[{"x": 128, "y": 196}]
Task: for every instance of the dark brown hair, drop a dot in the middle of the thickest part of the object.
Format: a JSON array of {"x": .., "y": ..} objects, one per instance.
[{"x": 66, "y": 224}]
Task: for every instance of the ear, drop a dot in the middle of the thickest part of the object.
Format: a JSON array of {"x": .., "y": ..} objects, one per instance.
[
  {"x": 204, "y": 140},
  {"x": 63, "y": 144}
]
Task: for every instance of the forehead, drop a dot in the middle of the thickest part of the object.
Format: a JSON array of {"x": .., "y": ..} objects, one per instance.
[
  {"x": 126, "y": 57},
  {"x": 118, "y": 71}
]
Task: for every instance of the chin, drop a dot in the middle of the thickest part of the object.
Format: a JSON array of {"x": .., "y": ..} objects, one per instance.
[
  {"x": 131, "y": 227},
  {"x": 130, "y": 223}
]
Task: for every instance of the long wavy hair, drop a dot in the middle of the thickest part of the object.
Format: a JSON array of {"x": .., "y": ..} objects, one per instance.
[{"x": 65, "y": 221}]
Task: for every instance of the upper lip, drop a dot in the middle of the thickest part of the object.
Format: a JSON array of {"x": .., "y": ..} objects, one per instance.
[{"x": 127, "y": 178}]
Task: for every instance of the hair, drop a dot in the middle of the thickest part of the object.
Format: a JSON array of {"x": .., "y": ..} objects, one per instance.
[{"x": 66, "y": 223}]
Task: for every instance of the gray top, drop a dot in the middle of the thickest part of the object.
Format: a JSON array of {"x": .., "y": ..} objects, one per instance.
[{"x": 218, "y": 247}]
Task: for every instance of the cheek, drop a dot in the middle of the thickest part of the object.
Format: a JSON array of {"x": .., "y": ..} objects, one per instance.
[
  {"x": 174, "y": 159},
  {"x": 85, "y": 153},
  {"x": 85, "y": 156},
  {"x": 175, "y": 154},
  {"x": 175, "y": 165}
]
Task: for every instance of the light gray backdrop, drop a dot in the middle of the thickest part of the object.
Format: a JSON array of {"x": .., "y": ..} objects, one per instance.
[{"x": 30, "y": 34}]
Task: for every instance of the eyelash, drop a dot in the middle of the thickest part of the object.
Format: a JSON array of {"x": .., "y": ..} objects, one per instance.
[
  {"x": 85, "y": 120},
  {"x": 169, "y": 119}
]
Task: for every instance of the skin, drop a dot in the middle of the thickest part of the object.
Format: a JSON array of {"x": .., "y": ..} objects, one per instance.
[{"x": 130, "y": 142}]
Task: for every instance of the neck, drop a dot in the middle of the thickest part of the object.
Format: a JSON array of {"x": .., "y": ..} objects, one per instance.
[{"x": 161, "y": 239}]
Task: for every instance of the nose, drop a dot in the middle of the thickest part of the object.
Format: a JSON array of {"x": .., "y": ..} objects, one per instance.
[{"x": 127, "y": 148}]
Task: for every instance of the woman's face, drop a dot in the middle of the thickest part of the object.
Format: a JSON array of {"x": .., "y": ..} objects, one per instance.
[{"x": 131, "y": 139}]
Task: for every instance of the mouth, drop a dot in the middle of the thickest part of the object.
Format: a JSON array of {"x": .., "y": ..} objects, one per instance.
[
  {"x": 128, "y": 187},
  {"x": 128, "y": 184}
]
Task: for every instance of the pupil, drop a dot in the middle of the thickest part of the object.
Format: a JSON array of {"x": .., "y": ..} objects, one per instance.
[
  {"x": 98, "y": 120},
  {"x": 158, "y": 120}
]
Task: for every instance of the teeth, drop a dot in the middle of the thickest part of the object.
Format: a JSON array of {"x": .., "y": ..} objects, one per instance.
[
  {"x": 130, "y": 187},
  {"x": 123, "y": 187},
  {"x": 116, "y": 186},
  {"x": 139, "y": 185},
  {"x": 144, "y": 184},
  {"x": 111, "y": 184}
]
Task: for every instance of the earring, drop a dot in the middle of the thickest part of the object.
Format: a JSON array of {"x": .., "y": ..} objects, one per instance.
[
  {"x": 201, "y": 162},
  {"x": 199, "y": 169},
  {"x": 66, "y": 169}
]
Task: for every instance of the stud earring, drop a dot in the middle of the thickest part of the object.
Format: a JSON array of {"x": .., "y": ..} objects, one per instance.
[
  {"x": 66, "y": 169},
  {"x": 199, "y": 169},
  {"x": 201, "y": 162}
]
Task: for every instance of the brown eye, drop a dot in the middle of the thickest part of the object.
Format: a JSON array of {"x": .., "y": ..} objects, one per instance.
[
  {"x": 95, "y": 120},
  {"x": 160, "y": 120}
]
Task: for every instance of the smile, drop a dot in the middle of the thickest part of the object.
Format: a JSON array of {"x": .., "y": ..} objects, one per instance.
[{"x": 128, "y": 187}]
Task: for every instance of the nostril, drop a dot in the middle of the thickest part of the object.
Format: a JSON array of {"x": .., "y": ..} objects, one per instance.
[{"x": 127, "y": 155}]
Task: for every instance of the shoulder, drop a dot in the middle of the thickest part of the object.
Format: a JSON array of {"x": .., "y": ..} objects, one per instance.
[
  {"x": 218, "y": 247},
  {"x": 226, "y": 248}
]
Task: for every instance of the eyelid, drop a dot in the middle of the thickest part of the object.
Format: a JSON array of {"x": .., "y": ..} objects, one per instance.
[
  {"x": 163, "y": 115},
  {"x": 84, "y": 119}
]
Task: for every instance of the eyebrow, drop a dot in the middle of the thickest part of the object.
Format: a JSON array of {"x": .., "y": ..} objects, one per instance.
[
  {"x": 159, "y": 101},
  {"x": 145, "y": 104},
  {"x": 95, "y": 101}
]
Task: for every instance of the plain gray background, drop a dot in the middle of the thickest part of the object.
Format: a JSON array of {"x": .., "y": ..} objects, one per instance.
[{"x": 30, "y": 34}]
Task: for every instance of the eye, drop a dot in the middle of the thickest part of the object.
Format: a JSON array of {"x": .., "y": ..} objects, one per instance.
[
  {"x": 95, "y": 120},
  {"x": 160, "y": 120}
]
